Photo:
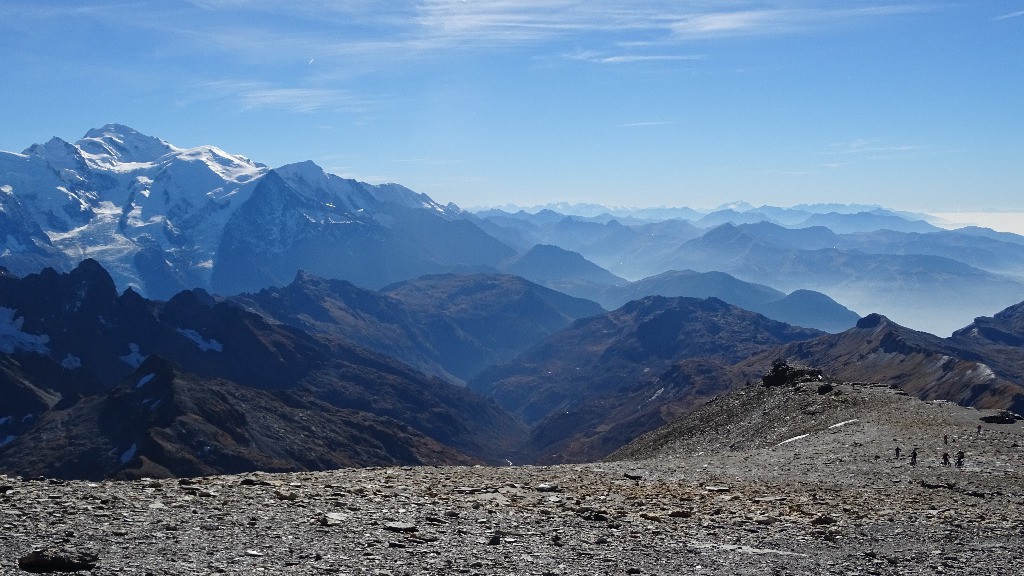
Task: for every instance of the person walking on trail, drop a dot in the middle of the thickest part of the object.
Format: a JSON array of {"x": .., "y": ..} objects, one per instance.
[
  {"x": 897, "y": 452},
  {"x": 913, "y": 457},
  {"x": 945, "y": 458},
  {"x": 960, "y": 459},
  {"x": 945, "y": 438}
]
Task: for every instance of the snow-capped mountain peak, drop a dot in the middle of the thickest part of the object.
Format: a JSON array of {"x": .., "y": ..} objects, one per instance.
[
  {"x": 161, "y": 218},
  {"x": 116, "y": 146}
]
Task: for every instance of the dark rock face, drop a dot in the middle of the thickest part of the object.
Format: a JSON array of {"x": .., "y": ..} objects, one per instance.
[{"x": 199, "y": 386}]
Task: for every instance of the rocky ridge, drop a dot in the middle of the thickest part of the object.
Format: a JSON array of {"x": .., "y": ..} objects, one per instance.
[{"x": 793, "y": 479}]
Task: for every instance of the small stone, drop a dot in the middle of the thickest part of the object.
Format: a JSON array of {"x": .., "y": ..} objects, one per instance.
[
  {"x": 680, "y": 514},
  {"x": 546, "y": 487},
  {"x": 634, "y": 474},
  {"x": 400, "y": 527},
  {"x": 333, "y": 519},
  {"x": 494, "y": 540},
  {"x": 254, "y": 553},
  {"x": 716, "y": 488},
  {"x": 633, "y": 570},
  {"x": 287, "y": 496},
  {"x": 823, "y": 520},
  {"x": 765, "y": 520}
]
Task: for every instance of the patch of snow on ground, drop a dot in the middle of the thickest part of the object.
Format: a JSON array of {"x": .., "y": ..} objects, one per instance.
[
  {"x": 203, "y": 344},
  {"x": 133, "y": 358},
  {"x": 129, "y": 453},
  {"x": 7, "y": 189},
  {"x": 5, "y": 441},
  {"x": 656, "y": 394},
  {"x": 792, "y": 439},
  {"x": 70, "y": 362},
  {"x": 5, "y": 420},
  {"x": 144, "y": 380},
  {"x": 982, "y": 371},
  {"x": 12, "y": 339},
  {"x": 844, "y": 423}
]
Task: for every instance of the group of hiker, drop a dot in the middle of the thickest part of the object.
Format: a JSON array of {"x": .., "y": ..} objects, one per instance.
[{"x": 959, "y": 462}]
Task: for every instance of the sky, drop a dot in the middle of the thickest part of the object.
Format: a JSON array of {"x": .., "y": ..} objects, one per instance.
[{"x": 912, "y": 106}]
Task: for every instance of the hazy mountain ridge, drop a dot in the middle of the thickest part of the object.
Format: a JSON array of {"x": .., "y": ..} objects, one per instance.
[
  {"x": 447, "y": 325},
  {"x": 906, "y": 273}
]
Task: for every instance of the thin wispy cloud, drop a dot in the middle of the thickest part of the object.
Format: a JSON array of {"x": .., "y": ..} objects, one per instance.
[
  {"x": 711, "y": 24},
  {"x": 249, "y": 96},
  {"x": 864, "y": 146},
  {"x": 647, "y": 123},
  {"x": 1016, "y": 14},
  {"x": 600, "y": 58}
]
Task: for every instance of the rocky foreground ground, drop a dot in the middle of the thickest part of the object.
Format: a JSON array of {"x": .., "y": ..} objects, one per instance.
[{"x": 833, "y": 501}]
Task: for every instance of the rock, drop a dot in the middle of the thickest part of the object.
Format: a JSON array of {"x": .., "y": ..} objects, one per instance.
[
  {"x": 50, "y": 560},
  {"x": 332, "y": 519},
  {"x": 823, "y": 520},
  {"x": 546, "y": 487},
  {"x": 400, "y": 527},
  {"x": 634, "y": 474}
]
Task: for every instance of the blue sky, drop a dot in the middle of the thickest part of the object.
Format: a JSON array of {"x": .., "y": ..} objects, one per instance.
[{"x": 915, "y": 106}]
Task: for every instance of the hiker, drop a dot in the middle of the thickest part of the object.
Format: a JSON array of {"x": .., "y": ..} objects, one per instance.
[
  {"x": 945, "y": 458},
  {"x": 913, "y": 457},
  {"x": 979, "y": 429},
  {"x": 897, "y": 452},
  {"x": 945, "y": 438},
  {"x": 960, "y": 459}
]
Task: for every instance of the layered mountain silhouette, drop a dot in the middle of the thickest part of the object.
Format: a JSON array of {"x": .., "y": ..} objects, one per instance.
[
  {"x": 450, "y": 325},
  {"x": 874, "y": 260}
]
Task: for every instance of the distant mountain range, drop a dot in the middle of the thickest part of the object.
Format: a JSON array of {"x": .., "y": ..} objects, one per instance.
[
  {"x": 162, "y": 219},
  {"x": 883, "y": 261},
  {"x": 100, "y": 384},
  {"x": 169, "y": 311}
]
